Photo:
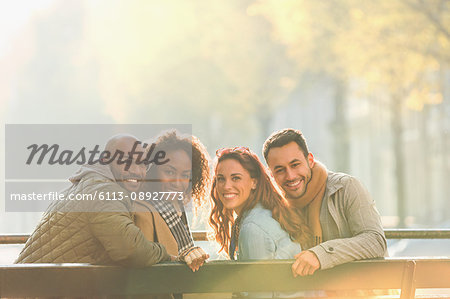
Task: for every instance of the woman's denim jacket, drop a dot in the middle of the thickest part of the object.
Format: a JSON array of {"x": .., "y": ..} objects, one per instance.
[{"x": 261, "y": 237}]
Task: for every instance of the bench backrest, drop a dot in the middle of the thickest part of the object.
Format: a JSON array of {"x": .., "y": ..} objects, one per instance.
[{"x": 220, "y": 276}]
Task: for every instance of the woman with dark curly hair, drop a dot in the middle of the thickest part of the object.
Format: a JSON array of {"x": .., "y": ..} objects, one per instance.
[{"x": 183, "y": 177}]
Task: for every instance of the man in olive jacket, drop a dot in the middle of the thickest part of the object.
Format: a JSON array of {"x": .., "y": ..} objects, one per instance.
[{"x": 98, "y": 231}]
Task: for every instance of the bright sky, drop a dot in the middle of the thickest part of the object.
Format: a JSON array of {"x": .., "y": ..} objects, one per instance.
[{"x": 14, "y": 15}]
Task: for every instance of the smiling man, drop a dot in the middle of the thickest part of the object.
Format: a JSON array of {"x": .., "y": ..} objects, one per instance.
[
  {"x": 127, "y": 171},
  {"x": 343, "y": 219},
  {"x": 98, "y": 231}
]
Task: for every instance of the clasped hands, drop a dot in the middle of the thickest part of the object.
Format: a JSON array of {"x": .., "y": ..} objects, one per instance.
[{"x": 194, "y": 258}]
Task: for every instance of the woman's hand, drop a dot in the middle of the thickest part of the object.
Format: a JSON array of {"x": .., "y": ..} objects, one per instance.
[{"x": 195, "y": 258}]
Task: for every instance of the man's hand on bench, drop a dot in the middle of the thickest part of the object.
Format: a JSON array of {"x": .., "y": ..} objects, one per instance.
[{"x": 306, "y": 263}]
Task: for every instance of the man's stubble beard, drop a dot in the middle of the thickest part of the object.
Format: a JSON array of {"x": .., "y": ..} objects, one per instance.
[{"x": 293, "y": 199}]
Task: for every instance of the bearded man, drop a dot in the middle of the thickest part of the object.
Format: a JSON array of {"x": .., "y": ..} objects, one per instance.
[
  {"x": 98, "y": 231},
  {"x": 342, "y": 216}
]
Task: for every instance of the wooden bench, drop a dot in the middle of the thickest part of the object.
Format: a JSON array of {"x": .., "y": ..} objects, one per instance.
[{"x": 406, "y": 274}]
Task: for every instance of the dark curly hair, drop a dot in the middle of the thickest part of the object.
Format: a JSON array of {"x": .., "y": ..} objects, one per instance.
[{"x": 172, "y": 140}]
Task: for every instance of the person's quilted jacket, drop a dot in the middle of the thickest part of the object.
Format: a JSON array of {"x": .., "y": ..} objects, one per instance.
[{"x": 104, "y": 235}]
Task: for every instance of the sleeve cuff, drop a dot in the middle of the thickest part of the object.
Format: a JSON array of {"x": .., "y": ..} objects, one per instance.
[
  {"x": 165, "y": 254},
  {"x": 323, "y": 256}
]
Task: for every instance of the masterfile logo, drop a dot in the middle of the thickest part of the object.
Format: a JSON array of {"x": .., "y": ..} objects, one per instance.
[{"x": 41, "y": 161}]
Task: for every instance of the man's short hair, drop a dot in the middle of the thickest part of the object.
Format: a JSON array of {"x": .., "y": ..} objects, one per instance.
[{"x": 283, "y": 137}]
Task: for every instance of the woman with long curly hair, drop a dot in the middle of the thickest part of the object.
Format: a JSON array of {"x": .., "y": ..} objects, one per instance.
[
  {"x": 250, "y": 217},
  {"x": 183, "y": 178}
]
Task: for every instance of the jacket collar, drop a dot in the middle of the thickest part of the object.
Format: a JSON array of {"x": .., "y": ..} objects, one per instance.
[
  {"x": 103, "y": 170},
  {"x": 334, "y": 183}
]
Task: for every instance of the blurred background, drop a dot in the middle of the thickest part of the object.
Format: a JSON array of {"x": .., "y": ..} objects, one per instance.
[{"x": 367, "y": 82}]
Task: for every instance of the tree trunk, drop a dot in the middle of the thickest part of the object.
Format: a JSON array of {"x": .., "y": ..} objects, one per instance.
[
  {"x": 340, "y": 128},
  {"x": 427, "y": 172},
  {"x": 397, "y": 136},
  {"x": 445, "y": 139}
]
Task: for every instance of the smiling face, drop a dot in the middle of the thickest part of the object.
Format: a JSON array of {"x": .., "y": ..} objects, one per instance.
[
  {"x": 233, "y": 184},
  {"x": 291, "y": 169},
  {"x": 129, "y": 178},
  {"x": 174, "y": 175}
]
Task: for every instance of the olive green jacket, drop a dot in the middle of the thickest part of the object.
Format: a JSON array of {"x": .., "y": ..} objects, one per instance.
[{"x": 96, "y": 232}]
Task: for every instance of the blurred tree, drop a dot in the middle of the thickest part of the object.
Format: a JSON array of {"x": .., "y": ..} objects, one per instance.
[
  {"x": 392, "y": 48},
  {"x": 308, "y": 28},
  {"x": 225, "y": 66},
  {"x": 207, "y": 63}
]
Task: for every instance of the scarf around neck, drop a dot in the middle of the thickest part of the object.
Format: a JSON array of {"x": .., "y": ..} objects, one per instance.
[{"x": 311, "y": 201}]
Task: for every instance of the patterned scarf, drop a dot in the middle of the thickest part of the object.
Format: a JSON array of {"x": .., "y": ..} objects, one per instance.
[{"x": 180, "y": 230}]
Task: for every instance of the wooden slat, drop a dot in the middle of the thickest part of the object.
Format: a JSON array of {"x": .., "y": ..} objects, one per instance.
[
  {"x": 408, "y": 290},
  {"x": 217, "y": 276},
  {"x": 202, "y": 235},
  {"x": 432, "y": 273}
]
